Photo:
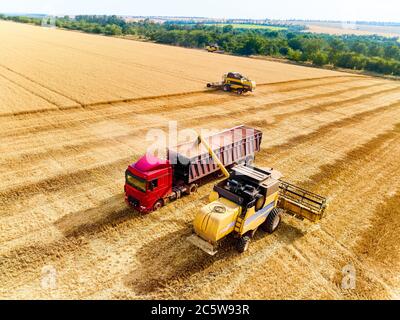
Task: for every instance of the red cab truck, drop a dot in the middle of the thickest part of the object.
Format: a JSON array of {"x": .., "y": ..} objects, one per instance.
[{"x": 151, "y": 182}]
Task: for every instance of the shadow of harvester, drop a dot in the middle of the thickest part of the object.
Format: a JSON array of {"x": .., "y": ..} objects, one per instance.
[
  {"x": 170, "y": 261},
  {"x": 77, "y": 228}
]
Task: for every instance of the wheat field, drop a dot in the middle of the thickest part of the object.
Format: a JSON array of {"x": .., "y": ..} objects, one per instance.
[{"x": 74, "y": 110}]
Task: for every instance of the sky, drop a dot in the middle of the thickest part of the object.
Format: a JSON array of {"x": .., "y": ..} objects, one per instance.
[{"x": 341, "y": 10}]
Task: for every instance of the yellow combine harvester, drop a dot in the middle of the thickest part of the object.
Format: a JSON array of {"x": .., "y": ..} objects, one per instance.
[
  {"x": 214, "y": 48},
  {"x": 247, "y": 199},
  {"x": 234, "y": 81}
]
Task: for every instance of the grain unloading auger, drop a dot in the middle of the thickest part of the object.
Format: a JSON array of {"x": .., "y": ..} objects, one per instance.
[{"x": 247, "y": 199}]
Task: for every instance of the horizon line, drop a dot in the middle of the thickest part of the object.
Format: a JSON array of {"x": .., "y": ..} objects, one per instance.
[{"x": 196, "y": 17}]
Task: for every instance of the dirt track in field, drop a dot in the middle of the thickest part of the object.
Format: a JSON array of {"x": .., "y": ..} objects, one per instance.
[{"x": 65, "y": 147}]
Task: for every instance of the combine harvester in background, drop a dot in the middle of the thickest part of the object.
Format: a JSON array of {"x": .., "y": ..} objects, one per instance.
[
  {"x": 234, "y": 81},
  {"x": 150, "y": 183},
  {"x": 214, "y": 48},
  {"x": 247, "y": 199}
]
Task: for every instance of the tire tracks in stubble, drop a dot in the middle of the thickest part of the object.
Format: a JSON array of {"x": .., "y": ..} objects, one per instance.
[
  {"x": 77, "y": 148},
  {"x": 348, "y": 121},
  {"x": 41, "y": 85},
  {"x": 82, "y": 105},
  {"x": 239, "y": 273},
  {"x": 53, "y": 252},
  {"x": 178, "y": 283},
  {"x": 340, "y": 79},
  {"x": 64, "y": 152},
  {"x": 329, "y": 181},
  {"x": 15, "y": 191},
  {"x": 377, "y": 160},
  {"x": 74, "y": 242},
  {"x": 31, "y": 92},
  {"x": 214, "y": 118},
  {"x": 321, "y": 133},
  {"x": 216, "y": 98},
  {"x": 369, "y": 146},
  {"x": 281, "y": 117},
  {"x": 13, "y": 194}
]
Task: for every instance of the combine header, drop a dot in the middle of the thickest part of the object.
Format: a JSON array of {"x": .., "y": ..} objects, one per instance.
[{"x": 301, "y": 203}]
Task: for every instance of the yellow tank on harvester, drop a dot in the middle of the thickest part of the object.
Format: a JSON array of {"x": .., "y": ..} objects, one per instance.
[
  {"x": 247, "y": 199},
  {"x": 234, "y": 81}
]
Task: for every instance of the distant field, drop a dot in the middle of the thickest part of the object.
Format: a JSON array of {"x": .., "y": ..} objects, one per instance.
[
  {"x": 257, "y": 26},
  {"x": 337, "y": 28},
  {"x": 248, "y": 26},
  {"x": 50, "y": 69}
]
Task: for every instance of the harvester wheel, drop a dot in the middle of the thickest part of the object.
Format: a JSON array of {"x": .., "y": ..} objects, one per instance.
[
  {"x": 158, "y": 205},
  {"x": 227, "y": 87},
  {"x": 239, "y": 91},
  {"x": 272, "y": 222},
  {"x": 243, "y": 244}
]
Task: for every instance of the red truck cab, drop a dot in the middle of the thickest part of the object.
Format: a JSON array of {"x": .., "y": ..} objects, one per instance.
[{"x": 147, "y": 181}]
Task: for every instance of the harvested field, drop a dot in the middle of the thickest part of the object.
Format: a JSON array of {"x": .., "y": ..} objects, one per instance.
[
  {"x": 338, "y": 28},
  {"x": 72, "y": 69},
  {"x": 74, "y": 111}
]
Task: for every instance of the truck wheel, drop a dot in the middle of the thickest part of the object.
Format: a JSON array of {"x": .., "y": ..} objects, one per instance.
[
  {"x": 158, "y": 205},
  {"x": 208, "y": 85},
  {"x": 191, "y": 189},
  {"x": 243, "y": 244},
  {"x": 227, "y": 87},
  {"x": 239, "y": 91},
  {"x": 273, "y": 220}
]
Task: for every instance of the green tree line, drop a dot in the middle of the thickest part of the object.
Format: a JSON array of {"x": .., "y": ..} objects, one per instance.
[
  {"x": 371, "y": 53},
  {"x": 22, "y": 19}
]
